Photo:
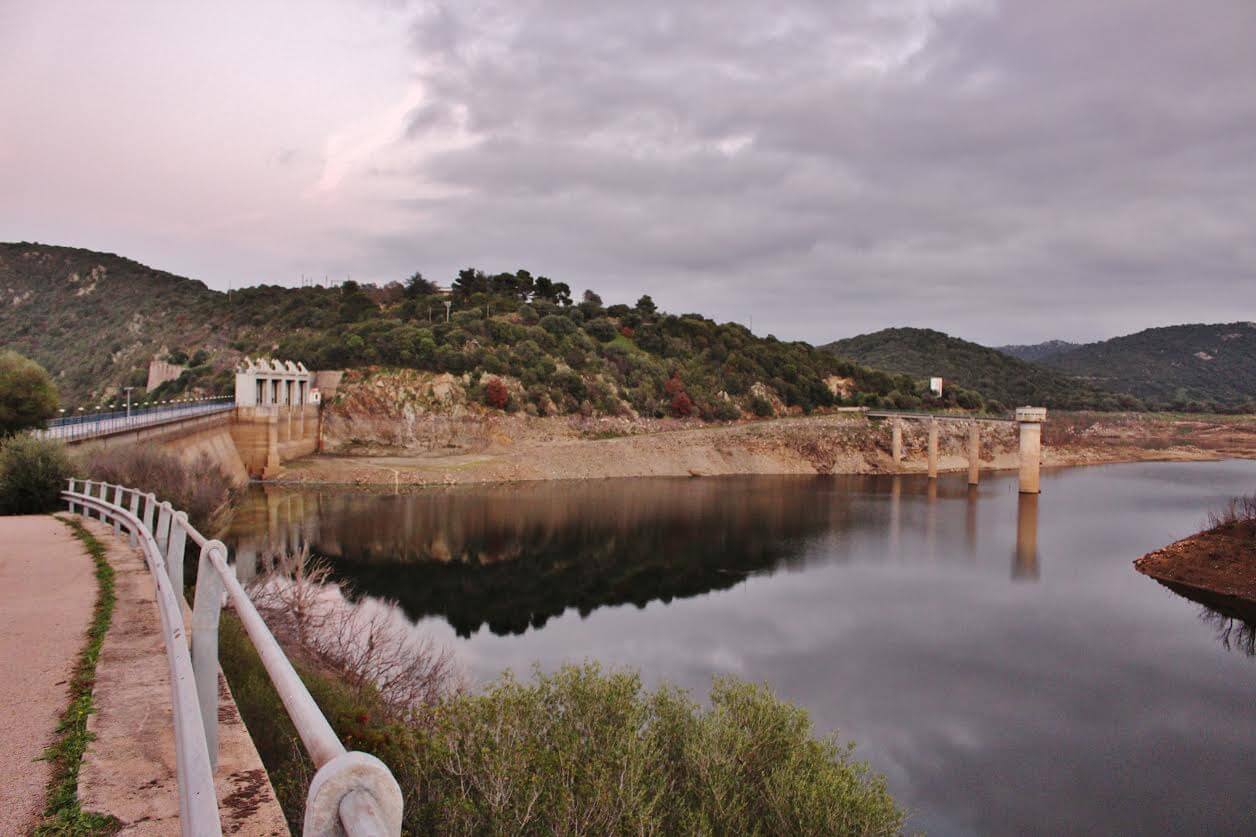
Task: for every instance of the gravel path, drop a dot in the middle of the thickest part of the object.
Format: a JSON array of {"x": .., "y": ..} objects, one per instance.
[{"x": 47, "y": 590}]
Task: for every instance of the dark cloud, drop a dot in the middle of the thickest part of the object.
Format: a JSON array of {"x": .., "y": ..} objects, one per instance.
[
  {"x": 979, "y": 167},
  {"x": 1006, "y": 171}
]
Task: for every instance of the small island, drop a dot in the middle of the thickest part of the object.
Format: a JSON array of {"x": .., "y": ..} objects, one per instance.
[{"x": 1215, "y": 567}]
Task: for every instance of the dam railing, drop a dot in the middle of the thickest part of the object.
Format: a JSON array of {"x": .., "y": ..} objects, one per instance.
[
  {"x": 351, "y": 793},
  {"x": 73, "y": 428}
]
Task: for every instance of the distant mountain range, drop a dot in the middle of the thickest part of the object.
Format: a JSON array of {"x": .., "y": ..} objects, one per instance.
[
  {"x": 1186, "y": 367},
  {"x": 923, "y": 352}
]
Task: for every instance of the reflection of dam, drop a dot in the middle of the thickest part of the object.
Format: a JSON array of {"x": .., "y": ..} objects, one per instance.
[{"x": 511, "y": 557}]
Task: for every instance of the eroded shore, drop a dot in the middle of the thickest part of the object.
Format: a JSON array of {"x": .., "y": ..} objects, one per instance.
[
  {"x": 1216, "y": 568},
  {"x": 448, "y": 450}
]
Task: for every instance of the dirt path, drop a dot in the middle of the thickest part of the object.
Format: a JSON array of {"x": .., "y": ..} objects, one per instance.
[{"x": 47, "y": 590}]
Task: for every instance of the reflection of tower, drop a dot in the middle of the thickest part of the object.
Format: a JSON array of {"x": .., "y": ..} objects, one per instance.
[
  {"x": 1025, "y": 563},
  {"x": 931, "y": 519},
  {"x": 896, "y": 520},
  {"x": 970, "y": 521}
]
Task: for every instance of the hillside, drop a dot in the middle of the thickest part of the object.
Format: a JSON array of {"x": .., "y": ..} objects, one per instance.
[
  {"x": 1013, "y": 382},
  {"x": 1037, "y": 352},
  {"x": 1184, "y": 367},
  {"x": 514, "y": 341}
]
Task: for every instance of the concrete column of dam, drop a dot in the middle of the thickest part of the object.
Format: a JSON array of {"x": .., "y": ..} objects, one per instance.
[
  {"x": 933, "y": 448},
  {"x": 1030, "y": 420},
  {"x": 974, "y": 453},
  {"x": 896, "y": 441}
]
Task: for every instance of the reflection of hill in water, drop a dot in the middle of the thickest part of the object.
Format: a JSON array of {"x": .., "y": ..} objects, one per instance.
[{"x": 515, "y": 556}]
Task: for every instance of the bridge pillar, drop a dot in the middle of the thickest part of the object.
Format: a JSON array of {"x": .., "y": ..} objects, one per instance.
[
  {"x": 974, "y": 453},
  {"x": 933, "y": 448},
  {"x": 1030, "y": 420},
  {"x": 896, "y": 441}
]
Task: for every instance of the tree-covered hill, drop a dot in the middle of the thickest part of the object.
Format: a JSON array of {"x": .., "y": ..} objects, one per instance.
[
  {"x": 520, "y": 341},
  {"x": 1038, "y": 352},
  {"x": 1192, "y": 367},
  {"x": 1013, "y": 382}
]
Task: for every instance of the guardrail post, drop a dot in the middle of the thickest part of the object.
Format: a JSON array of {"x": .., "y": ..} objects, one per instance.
[
  {"x": 150, "y": 505},
  {"x": 359, "y": 786},
  {"x": 206, "y": 608},
  {"x": 70, "y": 503},
  {"x": 117, "y": 501},
  {"x": 174, "y": 552},
  {"x": 162, "y": 535},
  {"x": 135, "y": 510}
]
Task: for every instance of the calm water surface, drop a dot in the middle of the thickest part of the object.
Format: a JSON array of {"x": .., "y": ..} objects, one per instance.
[{"x": 997, "y": 657}]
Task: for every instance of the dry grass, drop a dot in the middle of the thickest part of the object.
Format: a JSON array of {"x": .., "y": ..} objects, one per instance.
[
  {"x": 362, "y": 644},
  {"x": 200, "y": 487},
  {"x": 1239, "y": 511}
]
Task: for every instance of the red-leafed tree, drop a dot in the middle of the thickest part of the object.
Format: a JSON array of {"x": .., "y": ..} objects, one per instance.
[{"x": 496, "y": 394}]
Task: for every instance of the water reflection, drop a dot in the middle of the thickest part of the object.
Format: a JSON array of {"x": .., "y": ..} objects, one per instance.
[
  {"x": 513, "y": 557},
  {"x": 1091, "y": 701},
  {"x": 1233, "y": 619},
  {"x": 1025, "y": 559}
]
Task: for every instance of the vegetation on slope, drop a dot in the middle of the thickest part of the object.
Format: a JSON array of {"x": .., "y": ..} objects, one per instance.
[
  {"x": 1037, "y": 352},
  {"x": 924, "y": 352},
  {"x": 95, "y": 320},
  {"x": 1198, "y": 368}
]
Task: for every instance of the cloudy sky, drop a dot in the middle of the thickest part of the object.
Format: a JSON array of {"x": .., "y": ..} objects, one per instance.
[{"x": 1004, "y": 171}]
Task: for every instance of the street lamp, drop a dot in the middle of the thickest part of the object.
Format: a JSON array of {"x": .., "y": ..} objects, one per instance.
[
  {"x": 448, "y": 305},
  {"x": 128, "y": 400}
]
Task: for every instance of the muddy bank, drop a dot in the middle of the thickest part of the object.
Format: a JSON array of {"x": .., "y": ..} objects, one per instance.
[
  {"x": 1216, "y": 568},
  {"x": 495, "y": 447}
]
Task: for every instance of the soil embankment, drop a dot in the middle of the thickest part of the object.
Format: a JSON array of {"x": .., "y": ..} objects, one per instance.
[
  {"x": 469, "y": 446},
  {"x": 1216, "y": 568}
]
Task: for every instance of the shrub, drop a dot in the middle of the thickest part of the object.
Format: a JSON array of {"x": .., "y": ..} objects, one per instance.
[
  {"x": 200, "y": 487},
  {"x": 761, "y": 407},
  {"x": 558, "y": 325},
  {"x": 496, "y": 394},
  {"x": 601, "y": 329},
  {"x": 27, "y": 396},
  {"x": 33, "y": 473},
  {"x": 1238, "y": 511}
]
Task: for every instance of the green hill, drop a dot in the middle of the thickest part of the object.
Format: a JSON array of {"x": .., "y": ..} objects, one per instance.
[
  {"x": 95, "y": 320},
  {"x": 1013, "y": 382},
  {"x": 1038, "y": 352},
  {"x": 1194, "y": 367}
]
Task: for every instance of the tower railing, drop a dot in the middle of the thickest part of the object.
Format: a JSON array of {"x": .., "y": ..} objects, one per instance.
[{"x": 351, "y": 793}]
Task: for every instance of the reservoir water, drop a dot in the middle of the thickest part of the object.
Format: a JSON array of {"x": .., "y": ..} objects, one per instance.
[{"x": 997, "y": 657}]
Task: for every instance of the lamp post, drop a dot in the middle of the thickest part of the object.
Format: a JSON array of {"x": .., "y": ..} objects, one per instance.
[
  {"x": 448, "y": 305},
  {"x": 128, "y": 400}
]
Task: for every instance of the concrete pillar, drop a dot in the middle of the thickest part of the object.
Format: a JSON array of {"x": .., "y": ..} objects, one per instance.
[
  {"x": 933, "y": 449},
  {"x": 974, "y": 453},
  {"x": 272, "y": 446},
  {"x": 1030, "y": 420},
  {"x": 896, "y": 441}
]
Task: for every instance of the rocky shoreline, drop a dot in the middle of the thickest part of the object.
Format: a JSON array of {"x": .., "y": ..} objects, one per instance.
[{"x": 505, "y": 448}]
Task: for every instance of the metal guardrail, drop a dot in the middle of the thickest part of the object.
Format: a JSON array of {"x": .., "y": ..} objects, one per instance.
[
  {"x": 352, "y": 792},
  {"x": 73, "y": 428}
]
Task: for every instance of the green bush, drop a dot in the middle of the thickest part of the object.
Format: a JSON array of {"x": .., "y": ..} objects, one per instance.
[
  {"x": 583, "y": 751},
  {"x": 27, "y": 395},
  {"x": 33, "y": 473}
]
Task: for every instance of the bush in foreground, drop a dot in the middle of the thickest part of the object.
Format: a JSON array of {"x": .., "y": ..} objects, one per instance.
[
  {"x": 580, "y": 751},
  {"x": 27, "y": 395},
  {"x": 33, "y": 473}
]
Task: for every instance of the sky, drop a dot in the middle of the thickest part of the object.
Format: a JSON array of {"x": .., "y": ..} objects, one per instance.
[{"x": 1008, "y": 172}]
